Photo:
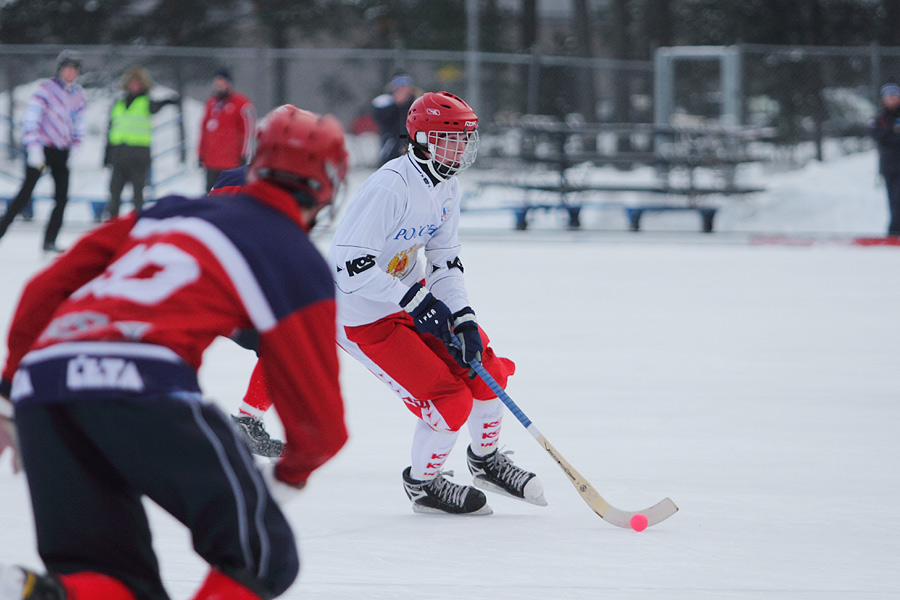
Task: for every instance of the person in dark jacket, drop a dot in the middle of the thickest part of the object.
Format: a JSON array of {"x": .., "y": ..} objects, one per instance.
[
  {"x": 128, "y": 143},
  {"x": 389, "y": 111},
  {"x": 885, "y": 128}
]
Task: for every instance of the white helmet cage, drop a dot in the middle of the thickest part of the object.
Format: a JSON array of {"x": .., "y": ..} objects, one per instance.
[{"x": 451, "y": 151}]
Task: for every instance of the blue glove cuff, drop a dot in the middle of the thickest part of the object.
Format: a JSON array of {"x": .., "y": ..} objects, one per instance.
[{"x": 414, "y": 298}]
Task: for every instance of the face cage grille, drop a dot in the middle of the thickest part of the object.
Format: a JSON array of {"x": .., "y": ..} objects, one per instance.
[{"x": 452, "y": 151}]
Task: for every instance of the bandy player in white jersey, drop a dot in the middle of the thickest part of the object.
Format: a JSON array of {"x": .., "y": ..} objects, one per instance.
[{"x": 396, "y": 311}]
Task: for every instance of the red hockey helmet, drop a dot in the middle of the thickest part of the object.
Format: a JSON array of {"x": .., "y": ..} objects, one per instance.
[
  {"x": 444, "y": 126},
  {"x": 302, "y": 152}
]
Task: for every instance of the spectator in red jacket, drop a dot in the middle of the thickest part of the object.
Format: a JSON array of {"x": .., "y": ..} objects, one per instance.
[{"x": 226, "y": 135}]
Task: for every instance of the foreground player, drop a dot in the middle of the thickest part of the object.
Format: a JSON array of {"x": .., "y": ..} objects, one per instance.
[
  {"x": 400, "y": 329},
  {"x": 105, "y": 347}
]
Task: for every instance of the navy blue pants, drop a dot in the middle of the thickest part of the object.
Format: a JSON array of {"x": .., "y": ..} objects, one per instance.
[
  {"x": 90, "y": 462},
  {"x": 892, "y": 181}
]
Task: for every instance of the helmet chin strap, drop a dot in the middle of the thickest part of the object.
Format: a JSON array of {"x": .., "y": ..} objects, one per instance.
[{"x": 428, "y": 164}]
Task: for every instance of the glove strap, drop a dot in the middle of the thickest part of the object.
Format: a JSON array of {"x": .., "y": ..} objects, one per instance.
[
  {"x": 414, "y": 297},
  {"x": 465, "y": 315}
]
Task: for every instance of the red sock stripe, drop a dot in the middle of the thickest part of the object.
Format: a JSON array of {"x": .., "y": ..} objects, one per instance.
[
  {"x": 222, "y": 587},
  {"x": 88, "y": 584}
]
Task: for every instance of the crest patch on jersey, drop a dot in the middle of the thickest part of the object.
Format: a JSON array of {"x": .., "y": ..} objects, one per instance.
[
  {"x": 445, "y": 209},
  {"x": 402, "y": 262}
]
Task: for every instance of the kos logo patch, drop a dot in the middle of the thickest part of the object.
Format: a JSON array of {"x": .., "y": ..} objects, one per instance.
[
  {"x": 358, "y": 265},
  {"x": 456, "y": 264}
]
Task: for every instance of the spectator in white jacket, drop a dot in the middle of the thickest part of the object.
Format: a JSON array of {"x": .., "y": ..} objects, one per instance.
[{"x": 53, "y": 126}]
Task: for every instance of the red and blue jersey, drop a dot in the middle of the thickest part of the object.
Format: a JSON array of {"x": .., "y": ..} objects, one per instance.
[{"x": 154, "y": 290}]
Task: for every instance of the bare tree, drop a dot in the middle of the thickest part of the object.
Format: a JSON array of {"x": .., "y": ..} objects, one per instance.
[
  {"x": 658, "y": 24},
  {"x": 889, "y": 32},
  {"x": 581, "y": 26}
]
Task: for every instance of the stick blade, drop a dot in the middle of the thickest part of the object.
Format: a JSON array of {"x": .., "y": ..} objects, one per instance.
[{"x": 657, "y": 513}]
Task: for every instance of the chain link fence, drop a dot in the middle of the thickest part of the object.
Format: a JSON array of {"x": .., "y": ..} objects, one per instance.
[
  {"x": 341, "y": 81},
  {"x": 805, "y": 94}
]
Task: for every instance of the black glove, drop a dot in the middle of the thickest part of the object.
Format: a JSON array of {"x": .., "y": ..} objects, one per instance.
[
  {"x": 466, "y": 329},
  {"x": 429, "y": 314}
]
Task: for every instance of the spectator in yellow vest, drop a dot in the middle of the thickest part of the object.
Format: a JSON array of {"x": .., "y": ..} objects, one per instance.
[{"x": 130, "y": 133}]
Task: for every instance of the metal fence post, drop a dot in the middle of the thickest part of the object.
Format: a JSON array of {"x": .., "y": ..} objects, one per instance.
[
  {"x": 534, "y": 80},
  {"x": 473, "y": 58},
  {"x": 732, "y": 94},
  {"x": 11, "y": 125},
  {"x": 663, "y": 91},
  {"x": 875, "y": 68}
]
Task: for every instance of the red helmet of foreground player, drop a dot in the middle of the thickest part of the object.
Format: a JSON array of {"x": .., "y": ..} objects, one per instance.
[
  {"x": 444, "y": 126},
  {"x": 303, "y": 152}
]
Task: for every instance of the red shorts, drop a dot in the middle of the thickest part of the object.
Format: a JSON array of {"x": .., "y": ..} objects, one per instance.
[{"x": 418, "y": 367}]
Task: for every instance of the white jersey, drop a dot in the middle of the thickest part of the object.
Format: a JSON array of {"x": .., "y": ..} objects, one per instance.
[{"x": 375, "y": 255}]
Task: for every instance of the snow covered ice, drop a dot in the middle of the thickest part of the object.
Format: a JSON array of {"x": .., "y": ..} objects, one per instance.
[{"x": 756, "y": 385}]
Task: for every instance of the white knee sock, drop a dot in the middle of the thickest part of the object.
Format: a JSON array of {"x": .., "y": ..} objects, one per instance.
[
  {"x": 484, "y": 425},
  {"x": 246, "y": 410},
  {"x": 430, "y": 449}
]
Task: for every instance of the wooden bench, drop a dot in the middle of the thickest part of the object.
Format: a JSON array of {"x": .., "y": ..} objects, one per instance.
[
  {"x": 669, "y": 150},
  {"x": 633, "y": 212}
]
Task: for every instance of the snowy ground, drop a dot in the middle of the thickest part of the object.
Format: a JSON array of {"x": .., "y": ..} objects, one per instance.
[{"x": 757, "y": 386}]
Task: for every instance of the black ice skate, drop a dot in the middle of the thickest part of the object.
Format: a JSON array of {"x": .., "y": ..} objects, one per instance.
[
  {"x": 442, "y": 496},
  {"x": 17, "y": 583},
  {"x": 254, "y": 433},
  {"x": 497, "y": 473}
]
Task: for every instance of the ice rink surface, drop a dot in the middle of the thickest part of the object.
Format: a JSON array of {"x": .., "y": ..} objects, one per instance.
[{"x": 756, "y": 385}]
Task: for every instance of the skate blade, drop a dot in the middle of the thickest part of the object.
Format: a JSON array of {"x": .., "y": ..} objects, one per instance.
[
  {"x": 427, "y": 510},
  {"x": 490, "y": 486}
]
